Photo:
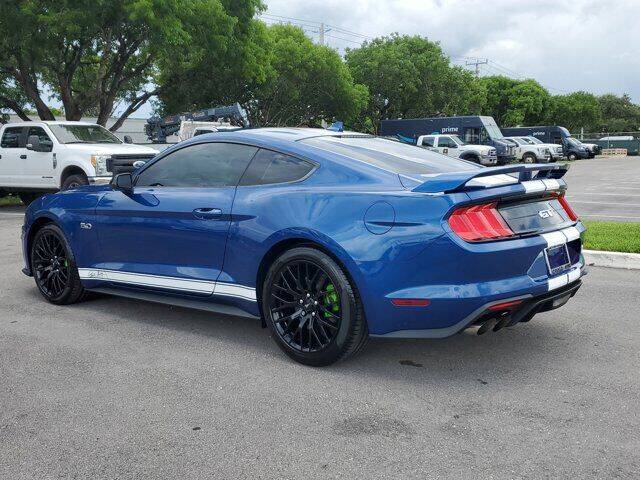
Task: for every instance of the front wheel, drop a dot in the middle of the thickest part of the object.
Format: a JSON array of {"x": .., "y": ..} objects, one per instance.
[
  {"x": 54, "y": 268},
  {"x": 572, "y": 157},
  {"x": 74, "y": 181},
  {"x": 528, "y": 158},
  {"x": 312, "y": 309}
]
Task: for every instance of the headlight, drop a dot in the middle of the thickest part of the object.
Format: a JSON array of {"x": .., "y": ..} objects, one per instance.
[{"x": 99, "y": 162}]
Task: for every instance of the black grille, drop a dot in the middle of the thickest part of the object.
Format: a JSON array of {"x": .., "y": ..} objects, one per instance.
[{"x": 123, "y": 163}]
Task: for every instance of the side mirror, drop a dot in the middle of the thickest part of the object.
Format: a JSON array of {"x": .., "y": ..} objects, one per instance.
[
  {"x": 123, "y": 182},
  {"x": 33, "y": 143},
  {"x": 127, "y": 139}
]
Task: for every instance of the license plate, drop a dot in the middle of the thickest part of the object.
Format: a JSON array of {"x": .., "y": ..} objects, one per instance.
[{"x": 557, "y": 259}]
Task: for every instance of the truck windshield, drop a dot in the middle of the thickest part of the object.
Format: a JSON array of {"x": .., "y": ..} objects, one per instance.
[
  {"x": 457, "y": 139},
  {"x": 389, "y": 155},
  {"x": 574, "y": 142},
  {"x": 68, "y": 133},
  {"x": 532, "y": 140},
  {"x": 493, "y": 131}
]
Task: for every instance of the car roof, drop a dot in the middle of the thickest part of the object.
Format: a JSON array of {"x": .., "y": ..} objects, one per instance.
[{"x": 292, "y": 134}]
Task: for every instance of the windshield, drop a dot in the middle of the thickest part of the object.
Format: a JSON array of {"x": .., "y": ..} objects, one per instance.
[
  {"x": 68, "y": 133},
  {"x": 573, "y": 141},
  {"x": 457, "y": 139},
  {"x": 391, "y": 156},
  {"x": 532, "y": 140},
  {"x": 492, "y": 129},
  {"x": 517, "y": 141}
]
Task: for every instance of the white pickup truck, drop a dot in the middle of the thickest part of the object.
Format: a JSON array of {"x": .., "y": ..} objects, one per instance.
[
  {"x": 452, "y": 146},
  {"x": 40, "y": 157},
  {"x": 530, "y": 153}
]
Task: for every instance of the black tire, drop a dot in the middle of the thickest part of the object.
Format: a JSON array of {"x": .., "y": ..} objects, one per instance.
[
  {"x": 288, "y": 320},
  {"x": 74, "y": 181},
  {"x": 28, "y": 197},
  {"x": 529, "y": 158},
  {"x": 54, "y": 267},
  {"x": 572, "y": 156}
]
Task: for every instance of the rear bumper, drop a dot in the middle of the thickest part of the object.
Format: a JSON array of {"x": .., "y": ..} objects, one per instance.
[{"x": 530, "y": 306}]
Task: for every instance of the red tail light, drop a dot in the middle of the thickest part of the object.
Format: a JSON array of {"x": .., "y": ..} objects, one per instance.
[
  {"x": 410, "y": 302},
  {"x": 567, "y": 207},
  {"x": 479, "y": 222}
]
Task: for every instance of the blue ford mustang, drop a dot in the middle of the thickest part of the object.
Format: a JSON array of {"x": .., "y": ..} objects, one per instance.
[{"x": 329, "y": 237}]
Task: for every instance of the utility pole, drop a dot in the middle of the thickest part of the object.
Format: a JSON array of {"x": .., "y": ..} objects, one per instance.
[
  {"x": 321, "y": 34},
  {"x": 477, "y": 62}
]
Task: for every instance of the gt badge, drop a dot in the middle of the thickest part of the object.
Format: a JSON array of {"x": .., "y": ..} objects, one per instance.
[{"x": 545, "y": 213}]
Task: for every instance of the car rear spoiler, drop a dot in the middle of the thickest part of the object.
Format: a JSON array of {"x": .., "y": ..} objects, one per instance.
[{"x": 451, "y": 182}]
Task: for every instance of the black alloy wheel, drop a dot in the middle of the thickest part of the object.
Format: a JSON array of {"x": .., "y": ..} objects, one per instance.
[
  {"x": 54, "y": 268},
  {"x": 305, "y": 306},
  {"x": 312, "y": 308}
]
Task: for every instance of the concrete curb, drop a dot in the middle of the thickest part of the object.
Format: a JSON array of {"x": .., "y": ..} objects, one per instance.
[{"x": 628, "y": 261}]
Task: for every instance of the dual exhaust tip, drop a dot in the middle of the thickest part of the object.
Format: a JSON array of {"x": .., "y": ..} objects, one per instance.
[{"x": 495, "y": 323}]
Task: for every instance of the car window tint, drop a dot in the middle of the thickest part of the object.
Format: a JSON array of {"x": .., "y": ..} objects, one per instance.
[
  {"x": 446, "y": 142},
  {"x": 388, "y": 155},
  {"x": 11, "y": 138},
  {"x": 273, "y": 167},
  {"x": 428, "y": 141},
  {"x": 202, "y": 165},
  {"x": 41, "y": 134}
]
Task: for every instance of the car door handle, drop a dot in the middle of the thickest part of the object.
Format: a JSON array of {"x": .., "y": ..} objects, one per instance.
[
  {"x": 23, "y": 157},
  {"x": 207, "y": 213}
]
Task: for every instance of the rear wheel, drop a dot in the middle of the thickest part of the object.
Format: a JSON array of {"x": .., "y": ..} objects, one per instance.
[
  {"x": 312, "y": 309},
  {"x": 54, "y": 268},
  {"x": 74, "y": 181}
]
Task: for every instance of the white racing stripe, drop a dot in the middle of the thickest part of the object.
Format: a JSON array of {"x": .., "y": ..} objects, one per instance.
[
  {"x": 554, "y": 239},
  {"x": 545, "y": 185},
  {"x": 564, "y": 279},
  {"x": 233, "y": 290},
  {"x": 170, "y": 283}
]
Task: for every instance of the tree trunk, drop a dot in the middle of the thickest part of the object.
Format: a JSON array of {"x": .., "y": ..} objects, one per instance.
[
  {"x": 133, "y": 106},
  {"x": 13, "y": 105}
]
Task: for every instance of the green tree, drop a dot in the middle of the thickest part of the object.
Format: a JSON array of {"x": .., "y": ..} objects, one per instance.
[
  {"x": 410, "y": 76},
  {"x": 97, "y": 55},
  {"x": 515, "y": 102},
  {"x": 281, "y": 78},
  {"x": 619, "y": 114},
  {"x": 575, "y": 111}
]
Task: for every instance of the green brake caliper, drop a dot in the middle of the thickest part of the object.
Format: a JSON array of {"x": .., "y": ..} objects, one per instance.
[{"x": 330, "y": 301}]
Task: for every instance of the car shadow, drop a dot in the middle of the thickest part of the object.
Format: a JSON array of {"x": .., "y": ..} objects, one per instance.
[{"x": 465, "y": 356}]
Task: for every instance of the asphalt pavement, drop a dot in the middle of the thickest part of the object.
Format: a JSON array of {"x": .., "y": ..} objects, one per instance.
[
  {"x": 115, "y": 388},
  {"x": 606, "y": 189}
]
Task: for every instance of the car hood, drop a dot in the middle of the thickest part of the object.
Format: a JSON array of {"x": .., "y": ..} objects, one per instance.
[{"x": 113, "y": 149}]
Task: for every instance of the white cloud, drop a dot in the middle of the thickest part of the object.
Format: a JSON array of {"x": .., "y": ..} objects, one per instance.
[{"x": 566, "y": 45}]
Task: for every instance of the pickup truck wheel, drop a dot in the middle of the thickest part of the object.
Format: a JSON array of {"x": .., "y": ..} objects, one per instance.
[
  {"x": 27, "y": 197},
  {"x": 528, "y": 158},
  {"x": 572, "y": 157},
  {"x": 74, "y": 181}
]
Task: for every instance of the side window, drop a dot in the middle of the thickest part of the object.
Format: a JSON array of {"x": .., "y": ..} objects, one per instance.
[
  {"x": 42, "y": 135},
  {"x": 427, "y": 141},
  {"x": 273, "y": 167},
  {"x": 446, "y": 142},
  {"x": 202, "y": 165},
  {"x": 11, "y": 138}
]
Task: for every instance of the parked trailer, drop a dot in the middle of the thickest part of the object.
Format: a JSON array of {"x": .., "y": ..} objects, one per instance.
[{"x": 474, "y": 130}]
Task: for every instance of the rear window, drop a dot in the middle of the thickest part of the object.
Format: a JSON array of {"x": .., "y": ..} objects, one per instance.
[{"x": 389, "y": 155}]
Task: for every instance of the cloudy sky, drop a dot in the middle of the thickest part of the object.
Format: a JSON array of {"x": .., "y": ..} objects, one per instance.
[{"x": 566, "y": 45}]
